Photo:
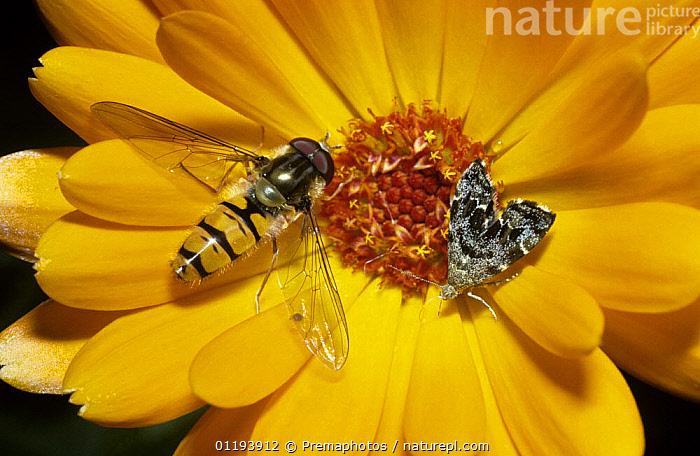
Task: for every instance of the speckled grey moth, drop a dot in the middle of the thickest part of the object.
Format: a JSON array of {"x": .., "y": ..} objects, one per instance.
[{"x": 483, "y": 241}]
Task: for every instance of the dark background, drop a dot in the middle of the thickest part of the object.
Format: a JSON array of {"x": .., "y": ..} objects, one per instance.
[
  {"x": 42, "y": 425},
  {"x": 33, "y": 424}
]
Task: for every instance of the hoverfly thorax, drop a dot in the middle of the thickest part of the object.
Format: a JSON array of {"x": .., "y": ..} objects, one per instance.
[{"x": 291, "y": 177}]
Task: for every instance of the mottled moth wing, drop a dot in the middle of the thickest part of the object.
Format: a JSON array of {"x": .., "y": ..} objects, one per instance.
[
  {"x": 471, "y": 212},
  {"x": 473, "y": 205},
  {"x": 482, "y": 242},
  {"x": 523, "y": 225},
  {"x": 173, "y": 146}
]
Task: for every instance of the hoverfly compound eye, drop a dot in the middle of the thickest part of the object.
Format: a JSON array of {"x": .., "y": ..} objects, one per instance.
[{"x": 318, "y": 155}]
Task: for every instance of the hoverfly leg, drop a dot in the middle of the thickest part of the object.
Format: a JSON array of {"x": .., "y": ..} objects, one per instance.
[
  {"x": 223, "y": 180},
  {"x": 275, "y": 252},
  {"x": 262, "y": 138},
  {"x": 250, "y": 168}
]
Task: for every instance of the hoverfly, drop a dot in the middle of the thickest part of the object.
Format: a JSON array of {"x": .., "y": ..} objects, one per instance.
[{"x": 279, "y": 189}]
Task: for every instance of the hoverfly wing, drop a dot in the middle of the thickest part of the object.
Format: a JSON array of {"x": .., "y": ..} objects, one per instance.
[
  {"x": 312, "y": 296},
  {"x": 173, "y": 146}
]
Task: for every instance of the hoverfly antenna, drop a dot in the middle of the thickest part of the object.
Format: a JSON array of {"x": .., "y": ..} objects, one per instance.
[{"x": 329, "y": 148}]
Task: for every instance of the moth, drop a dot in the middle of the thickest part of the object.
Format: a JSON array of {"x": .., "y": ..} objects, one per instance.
[{"x": 482, "y": 241}]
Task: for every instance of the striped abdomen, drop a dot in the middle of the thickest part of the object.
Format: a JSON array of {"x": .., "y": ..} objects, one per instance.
[{"x": 227, "y": 232}]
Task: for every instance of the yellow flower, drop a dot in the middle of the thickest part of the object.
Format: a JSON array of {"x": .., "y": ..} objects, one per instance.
[{"x": 599, "y": 128}]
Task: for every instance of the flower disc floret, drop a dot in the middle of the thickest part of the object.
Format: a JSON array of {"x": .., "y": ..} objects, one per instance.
[{"x": 389, "y": 203}]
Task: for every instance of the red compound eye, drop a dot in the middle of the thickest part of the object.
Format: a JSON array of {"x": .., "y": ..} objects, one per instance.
[{"x": 320, "y": 157}]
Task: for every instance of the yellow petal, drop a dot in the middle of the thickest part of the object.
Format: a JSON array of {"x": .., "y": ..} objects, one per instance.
[
  {"x": 413, "y": 39},
  {"x": 496, "y": 431},
  {"x": 556, "y": 313},
  {"x": 223, "y": 430},
  {"x": 662, "y": 349},
  {"x": 266, "y": 348},
  {"x": 641, "y": 257},
  {"x": 115, "y": 25},
  {"x": 465, "y": 41},
  {"x": 111, "y": 181},
  {"x": 547, "y": 401},
  {"x": 391, "y": 424},
  {"x": 135, "y": 371},
  {"x": 29, "y": 198},
  {"x": 673, "y": 79},
  {"x": 351, "y": 55},
  {"x": 655, "y": 164},
  {"x": 584, "y": 121},
  {"x": 282, "y": 47},
  {"x": 72, "y": 79},
  {"x": 444, "y": 401},
  {"x": 254, "y": 358},
  {"x": 316, "y": 404},
  {"x": 221, "y": 61},
  {"x": 90, "y": 263},
  {"x": 514, "y": 67},
  {"x": 620, "y": 24},
  {"x": 36, "y": 350}
]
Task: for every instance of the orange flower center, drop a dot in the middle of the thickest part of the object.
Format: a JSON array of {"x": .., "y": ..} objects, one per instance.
[{"x": 389, "y": 201}]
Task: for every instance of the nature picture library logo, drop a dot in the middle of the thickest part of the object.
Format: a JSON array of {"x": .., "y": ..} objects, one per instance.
[{"x": 652, "y": 20}]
